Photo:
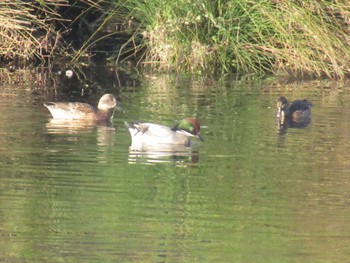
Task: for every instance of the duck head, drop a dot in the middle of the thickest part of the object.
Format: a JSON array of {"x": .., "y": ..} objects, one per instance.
[
  {"x": 189, "y": 126},
  {"x": 282, "y": 106}
]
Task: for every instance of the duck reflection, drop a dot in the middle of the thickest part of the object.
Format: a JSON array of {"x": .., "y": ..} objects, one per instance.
[
  {"x": 284, "y": 124},
  {"x": 296, "y": 114},
  {"x": 177, "y": 154},
  {"x": 62, "y": 126},
  {"x": 74, "y": 130}
]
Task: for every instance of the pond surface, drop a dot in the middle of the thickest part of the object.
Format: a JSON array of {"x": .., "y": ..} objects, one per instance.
[{"x": 72, "y": 192}]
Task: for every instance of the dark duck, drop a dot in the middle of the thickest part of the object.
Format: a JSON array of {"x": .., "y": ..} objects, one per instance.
[{"x": 294, "y": 113}]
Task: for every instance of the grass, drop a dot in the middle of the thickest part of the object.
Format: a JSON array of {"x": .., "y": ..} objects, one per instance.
[{"x": 242, "y": 37}]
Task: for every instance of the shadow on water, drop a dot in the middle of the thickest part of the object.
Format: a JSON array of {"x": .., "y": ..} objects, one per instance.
[
  {"x": 60, "y": 83},
  {"x": 83, "y": 81}
]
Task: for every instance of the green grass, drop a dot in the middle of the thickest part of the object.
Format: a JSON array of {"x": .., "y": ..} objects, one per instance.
[
  {"x": 243, "y": 36},
  {"x": 218, "y": 37}
]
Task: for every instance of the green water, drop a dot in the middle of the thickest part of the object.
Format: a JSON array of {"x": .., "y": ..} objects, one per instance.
[{"x": 74, "y": 193}]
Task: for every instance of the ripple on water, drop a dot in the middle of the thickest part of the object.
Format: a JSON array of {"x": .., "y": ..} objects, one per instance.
[{"x": 77, "y": 191}]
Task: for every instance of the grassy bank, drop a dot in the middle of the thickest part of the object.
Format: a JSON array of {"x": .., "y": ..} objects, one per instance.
[
  {"x": 212, "y": 37},
  {"x": 244, "y": 36}
]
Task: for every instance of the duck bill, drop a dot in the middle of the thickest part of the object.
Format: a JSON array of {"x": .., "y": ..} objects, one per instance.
[{"x": 198, "y": 136}]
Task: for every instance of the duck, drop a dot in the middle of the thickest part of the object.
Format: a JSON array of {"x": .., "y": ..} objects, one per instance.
[
  {"x": 84, "y": 111},
  {"x": 298, "y": 111},
  {"x": 149, "y": 135}
]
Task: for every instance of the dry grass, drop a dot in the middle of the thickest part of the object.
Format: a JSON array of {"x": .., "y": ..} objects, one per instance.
[{"x": 27, "y": 30}]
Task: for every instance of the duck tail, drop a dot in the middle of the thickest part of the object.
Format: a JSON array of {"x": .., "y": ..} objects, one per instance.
[{"x": 133, "y": 127}]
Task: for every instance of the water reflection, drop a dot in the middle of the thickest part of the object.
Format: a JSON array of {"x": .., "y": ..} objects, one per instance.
[
  {"x": 105, "y": 130},
  {"x": 65, "y": 183},
  {"x": 61, "y": 126},
  {"x": 177, "y": 154},
  {"x": 283, "y": 124}
]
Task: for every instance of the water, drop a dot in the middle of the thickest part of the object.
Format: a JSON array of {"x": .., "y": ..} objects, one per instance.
[{"x": 72, "y": 192}]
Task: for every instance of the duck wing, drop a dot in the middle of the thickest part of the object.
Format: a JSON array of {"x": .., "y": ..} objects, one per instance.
[
  {"x": 300, "y": 105},
  {"x": 70, "y": 110},
  {"x": 150, "y": 129}
]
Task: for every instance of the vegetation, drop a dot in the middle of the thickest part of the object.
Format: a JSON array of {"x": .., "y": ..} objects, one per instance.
[
  {"x": 27, "y": 30},
  {"x": 223, "y": 36}
]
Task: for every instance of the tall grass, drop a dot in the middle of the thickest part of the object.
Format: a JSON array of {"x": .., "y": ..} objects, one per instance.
[
  {"x": 243, "y": 36},
  {"x": 27, "y": 29},
  {"x": 215, "y": 37}
]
